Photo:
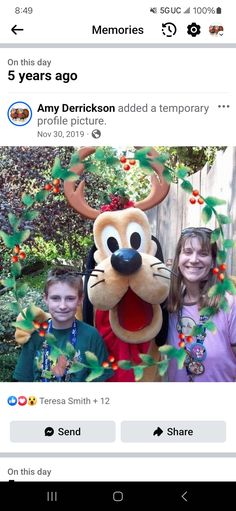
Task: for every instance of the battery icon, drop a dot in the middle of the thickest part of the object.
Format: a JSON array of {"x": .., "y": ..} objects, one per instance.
[{"x": 218, "y": 10}]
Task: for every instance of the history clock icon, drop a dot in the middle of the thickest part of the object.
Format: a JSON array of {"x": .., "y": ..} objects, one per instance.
[{"x": 169, "y": 29}]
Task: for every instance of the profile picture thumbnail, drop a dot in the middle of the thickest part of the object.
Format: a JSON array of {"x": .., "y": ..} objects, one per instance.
[{"x": 19, "y": 113}]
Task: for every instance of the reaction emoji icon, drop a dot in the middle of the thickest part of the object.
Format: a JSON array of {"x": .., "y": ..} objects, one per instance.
[
  {"x": 32, "y": 400},
  {"x": 22, "y": 400}
]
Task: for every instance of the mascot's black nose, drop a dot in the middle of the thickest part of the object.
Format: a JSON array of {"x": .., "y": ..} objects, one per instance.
[{"x": 126, "y": 260}]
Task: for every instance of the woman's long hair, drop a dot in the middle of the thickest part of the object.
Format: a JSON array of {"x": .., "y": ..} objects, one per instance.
[{"x": 177, "y": 286}]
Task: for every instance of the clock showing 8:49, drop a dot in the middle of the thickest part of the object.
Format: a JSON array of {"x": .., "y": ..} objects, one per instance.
[{"x": 23, "y": 10}]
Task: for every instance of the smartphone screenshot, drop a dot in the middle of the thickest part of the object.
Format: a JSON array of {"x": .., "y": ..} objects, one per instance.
[{"x": 117, "y": 252}]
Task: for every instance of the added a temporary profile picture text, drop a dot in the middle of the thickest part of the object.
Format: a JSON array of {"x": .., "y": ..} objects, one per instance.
[{"x": 19, "y": 113}]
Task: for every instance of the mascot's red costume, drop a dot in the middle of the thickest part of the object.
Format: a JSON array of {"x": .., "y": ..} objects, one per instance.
[{"x": 129, "y": 280}]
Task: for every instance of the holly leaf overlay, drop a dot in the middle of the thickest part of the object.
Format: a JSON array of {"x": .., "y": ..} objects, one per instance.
[
  {"x": 162, "y": 367},
  {"x": 182, "y": 172},
  {"x": 215, "y": 235},
  {"x": 24, "y": 324},
  {"x": 30, "y": 215},
  {"x": 209, "y": 325},
  {"x": 167, "y": 174},
  {"x": 223, "y": 219},
  {"x": 173, "y": 352},
  {"x": 14, "y": 221},
  {"x": 59, "y": 172},
  {"x": 70, "y": 350},
  {"x": 21, "y": 291},
  {"x": 214, "y": 201},
  {"x": 206, "y": 214},
  {"x": 187, "y": 186},
  {"x": 9, "y": 282},
  {"x": 76, "y": 367},
  {"x": 91, "y": 359},
  {"x": 99, "y": 154},
  {"x": 138, "y": 372},
  {"x": 229, "y": 243},
  {"x": 41, "y": 195},
  {"x": 125, "y": 364},
  {"x": 221, "y": 256},
  {"x": 10, "y": 240},
  {"x": 95, "y": 373},
  {"x": 207, "y": 311},
  {"x": 224, "y": 305},
  {"x": 27, "y": 199},
  {"x": 197, "y": 330},
  {"x": 16, "y": 269},
  {"x": 147, "y": 359},
  {"x": 14, "y": 307}
]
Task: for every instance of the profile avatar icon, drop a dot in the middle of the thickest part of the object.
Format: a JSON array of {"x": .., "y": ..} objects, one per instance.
[{"x": 19, "y": 113}]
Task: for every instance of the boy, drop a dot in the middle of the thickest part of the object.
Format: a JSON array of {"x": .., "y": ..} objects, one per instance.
[{"x": 43, "y": 361}]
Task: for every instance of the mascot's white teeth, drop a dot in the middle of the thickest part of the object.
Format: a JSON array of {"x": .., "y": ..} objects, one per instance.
[{"x": 134, "y": 314}]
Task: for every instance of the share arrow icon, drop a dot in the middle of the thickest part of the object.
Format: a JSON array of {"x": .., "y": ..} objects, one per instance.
[{"x": 158, "y": 432}]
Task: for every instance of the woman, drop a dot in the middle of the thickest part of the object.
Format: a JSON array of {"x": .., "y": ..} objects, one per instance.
[{"x": 210, "y": 356}]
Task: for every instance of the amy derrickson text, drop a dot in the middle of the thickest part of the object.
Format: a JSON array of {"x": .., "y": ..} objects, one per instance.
[{"x": 54, "y": 109}]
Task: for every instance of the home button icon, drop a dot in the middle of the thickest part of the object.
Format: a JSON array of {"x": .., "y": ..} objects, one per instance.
[{"x": 118, "y": 496}]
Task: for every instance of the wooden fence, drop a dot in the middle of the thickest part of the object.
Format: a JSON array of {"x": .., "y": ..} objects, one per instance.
[{"x": 175, "y": 213}]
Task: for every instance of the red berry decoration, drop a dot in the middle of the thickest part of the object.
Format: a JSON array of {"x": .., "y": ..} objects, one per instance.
[
  {"x": 114, "y": 367},
  {"x": 48, "y": 187},
  {"x": 56, "y": 189},
  {"x": 181, "y": 344},
  {"x": 14, "y": 259},
  {"x": 126, "y": 167},
  {"x": 111, "y": 358},
  {"x": 16, "y": 249},
  {"x": 195, "y": 193},
  {"x": 42, "y": 333},
  {"x": 56, "y": 182},
  {"x": 215, "y": 270},
  {"x": 123, "y": 159},
  {"x": 132, "y": 162},
  {"x": 189, "y": 338},
  {"x": 105, "y": 364},
  {"x": 44, "y": 325},
  {"x": 221, "y": 276},
  {"x": 192, "y": 200},
  {"x": 200, "y": 201},
  {"x": 37, "y": 324},
  {"x": 22, "y": 255},
  {"x": 223, "y": 267},
  {"x": 181, "y": 336}
]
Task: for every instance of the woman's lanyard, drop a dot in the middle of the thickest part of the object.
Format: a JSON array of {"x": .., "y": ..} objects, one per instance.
[
  {"x": 46, "y": 362},
  {"x": 196, "y": 351}
]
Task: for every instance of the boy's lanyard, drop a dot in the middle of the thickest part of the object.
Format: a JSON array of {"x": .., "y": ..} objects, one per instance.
[{"x": 46, "y": 364}]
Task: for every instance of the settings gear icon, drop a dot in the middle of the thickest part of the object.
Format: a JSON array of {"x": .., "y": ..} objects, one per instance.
[{"x": 194, "y": 29}]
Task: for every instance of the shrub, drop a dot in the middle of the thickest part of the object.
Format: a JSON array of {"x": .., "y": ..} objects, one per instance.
[
  {"x": 7, "y": 316},
  {"x": 7, "y": 365}
]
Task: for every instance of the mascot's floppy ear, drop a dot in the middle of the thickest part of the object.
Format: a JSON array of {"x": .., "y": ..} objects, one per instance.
[
  {"x": 161, "y": 337},
  {"x": 87, "y": 305}
]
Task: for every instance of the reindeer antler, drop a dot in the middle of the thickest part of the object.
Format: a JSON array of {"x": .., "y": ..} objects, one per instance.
[
  {"x": 75, "y": 196},
  {"x": 160, "y": 187}
]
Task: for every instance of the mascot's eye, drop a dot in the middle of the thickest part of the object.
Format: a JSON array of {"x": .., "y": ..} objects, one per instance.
[
  {"x": 110, "y": 239},
  {"x": 135, "y": 240},
  {"x": 136, "y": 237},
  {"x": 112, "y": 244}
]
